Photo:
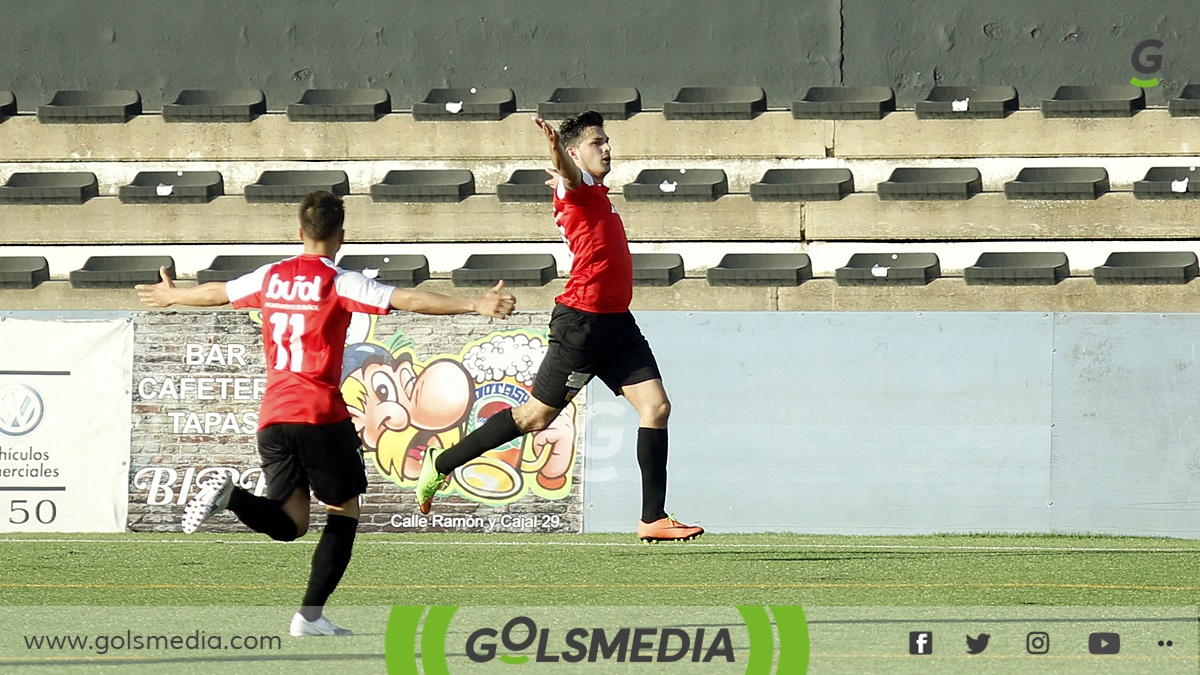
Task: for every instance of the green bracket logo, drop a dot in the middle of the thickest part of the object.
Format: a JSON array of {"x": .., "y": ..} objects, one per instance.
[{"x": 409, "y": 626}]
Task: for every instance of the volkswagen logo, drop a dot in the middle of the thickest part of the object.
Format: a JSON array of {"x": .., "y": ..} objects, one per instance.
[{"x": 21, "y": 409}]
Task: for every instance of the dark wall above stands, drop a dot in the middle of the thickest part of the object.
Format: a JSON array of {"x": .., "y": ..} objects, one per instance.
[{"x": 783, "y": 46}]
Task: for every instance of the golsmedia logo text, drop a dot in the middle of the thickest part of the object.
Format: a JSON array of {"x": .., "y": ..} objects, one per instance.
[
  {"x": 446, "y": 639},
  {"x": 625, "y": 644}
]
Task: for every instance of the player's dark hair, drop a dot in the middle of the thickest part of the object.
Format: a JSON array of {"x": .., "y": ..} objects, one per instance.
[
  {"x": 573, "y": 127},
  {"x": 322, "y": 215}
]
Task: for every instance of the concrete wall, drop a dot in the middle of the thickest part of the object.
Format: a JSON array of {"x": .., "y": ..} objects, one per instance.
[
  {"x": 820, "y": 422},
  {"x": 915, "y": 423},
  {"x": 782, "y": 45}
]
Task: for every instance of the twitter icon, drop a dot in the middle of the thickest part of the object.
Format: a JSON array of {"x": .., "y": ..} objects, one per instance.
[{"x": 976, "y": 645}]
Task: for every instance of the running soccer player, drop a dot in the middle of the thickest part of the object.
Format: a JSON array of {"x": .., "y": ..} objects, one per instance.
[
  {"x": 592, "y": 333},
  {"x": 306, "y": 439}
]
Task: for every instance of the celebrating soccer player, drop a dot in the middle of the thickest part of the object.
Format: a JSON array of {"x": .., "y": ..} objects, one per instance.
[
  {"x": 305, "y": 436},
  {"x": 592, "y": 332}
]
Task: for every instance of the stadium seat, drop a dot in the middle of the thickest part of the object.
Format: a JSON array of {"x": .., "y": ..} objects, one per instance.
[
  {"x": 1058, "y": 182},
  {"x": 845, "y": 103},
  {"x": 657, "y": 269},
  {"x": 614, "y": 103},
  {"x": 226, "y": 267},
  {"x": 292, "y": 186},
  {"x": 465, "y": 105},
  {"x": 677, "y": 185},
  {"x": 173, "y": 187},
  {"x": 931, "y": 183},
  {"x": 91, "y": 106},
  {"x": 23, "y": 271},
  {"x": 760, "y": 269},
  {"x": 1095, "y": 101},
  {"x": 8, "y": 104},
  {"x": 889, "y": 269},
  {"x": 121, "y": 271},
  {"x": 425, "y": 185},
  {"x": 215, "y": 105},
  {"x": 783, "y": 185},
  {"x": 1168, "y": 182},
  {"x": 944, "y": 102},
  {"x": 716, "y": 103},
  {"x": 516, "y": 269},
  {"x": 525, "y": 185},
  {"x": 397, "y": 270},
  {"x": 1141, "y": 267},
  {"x": 1021, "y": 268},
  {"x": 340, "y": 105},
  {"x": 1187, "y": 103},
  {"x": 63, "y": 187}
]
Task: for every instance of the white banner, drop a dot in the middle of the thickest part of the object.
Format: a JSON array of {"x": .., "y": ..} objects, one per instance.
[{"x": 65, "y": 425}]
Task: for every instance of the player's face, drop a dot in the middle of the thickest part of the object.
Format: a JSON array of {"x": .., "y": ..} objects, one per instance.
[{"x": 593, "y": 152}]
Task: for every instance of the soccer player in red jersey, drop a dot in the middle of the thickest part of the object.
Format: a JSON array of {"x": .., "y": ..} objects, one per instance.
[
  {"x": 305, "y": 436},
  {"x": 592, "y": 333}
]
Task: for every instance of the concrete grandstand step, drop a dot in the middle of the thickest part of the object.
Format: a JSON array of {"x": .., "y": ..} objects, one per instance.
[
  {"x": 1025, "y": 133},
  {"x": 1116, "y": 215},
  {"x": 399, "y": 137},
  {"x": 1075, "y": 294},
  {"x": 480, "y": 218},
  {"x": 647, "y": 135}
]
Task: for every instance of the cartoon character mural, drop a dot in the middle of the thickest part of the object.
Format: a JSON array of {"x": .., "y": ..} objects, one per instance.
[{"x": 402, "y": 404}]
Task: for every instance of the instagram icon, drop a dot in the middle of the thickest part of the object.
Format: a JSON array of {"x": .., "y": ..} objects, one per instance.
[{"x": 1037, "y": 642}]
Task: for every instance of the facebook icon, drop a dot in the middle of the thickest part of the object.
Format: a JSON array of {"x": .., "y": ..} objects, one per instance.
[{"x": 920, "y": 642}]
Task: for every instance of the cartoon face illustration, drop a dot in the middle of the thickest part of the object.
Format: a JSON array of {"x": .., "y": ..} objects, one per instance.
[
  {"x": 399, "y": 411},
  {"x": 541, "y": 461},
  {"x": 400, "y": 407}
]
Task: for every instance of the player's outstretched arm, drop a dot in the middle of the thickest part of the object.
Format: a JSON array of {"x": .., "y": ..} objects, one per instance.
[
  {"x": 495, "y": 303},
  {"x": 165, "y": 293},
  {"x": 563, "y": 163}
]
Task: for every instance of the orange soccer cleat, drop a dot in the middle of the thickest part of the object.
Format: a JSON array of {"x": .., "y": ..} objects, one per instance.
[{"x": 667, "y": 529}]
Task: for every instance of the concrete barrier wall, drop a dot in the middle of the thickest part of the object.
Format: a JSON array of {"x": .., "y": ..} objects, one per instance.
[
  {"x": 781, "y": 45},
  {"x": 822, "y": 422},
  {"x": 919, "y": 422}
]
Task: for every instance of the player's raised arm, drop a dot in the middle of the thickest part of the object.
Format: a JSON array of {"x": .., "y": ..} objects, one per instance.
[
  {"x": 563, "y": 163},
  {"x": 165, "y": 293},
  {"x": 495, "y": 303}
]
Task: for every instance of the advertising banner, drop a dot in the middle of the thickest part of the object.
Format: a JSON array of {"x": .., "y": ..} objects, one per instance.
[
  {"x": 64, "y": 425},
  {"x": 409, "y": 382}
]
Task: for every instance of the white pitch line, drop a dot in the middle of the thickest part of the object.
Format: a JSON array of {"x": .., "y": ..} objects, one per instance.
[{"x": 880, "y": 547}]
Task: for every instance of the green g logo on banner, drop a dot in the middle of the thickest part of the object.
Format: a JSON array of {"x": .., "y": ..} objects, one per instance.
[{"x": 485, "y": 638}]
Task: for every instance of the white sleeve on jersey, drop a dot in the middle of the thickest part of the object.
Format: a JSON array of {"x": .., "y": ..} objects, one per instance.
[
  {"x": 585, "y": 178},
  {"x": 248, "y": 284},
  {"x": 358, "y": 288}
]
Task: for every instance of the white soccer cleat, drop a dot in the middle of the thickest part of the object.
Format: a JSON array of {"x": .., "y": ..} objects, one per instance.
[
  {"x": 302, "y": 627},
  {"x": 212, "y": 497}
]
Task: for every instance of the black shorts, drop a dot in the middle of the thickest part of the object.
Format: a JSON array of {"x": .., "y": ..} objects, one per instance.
[
  {"x": 585, "y": 345},
  {"x": 325, "y": 458}
]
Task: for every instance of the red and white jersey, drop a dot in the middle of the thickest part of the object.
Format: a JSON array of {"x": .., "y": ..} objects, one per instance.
[
  {"x": 306, "y": 306},
  {"x": 601, "y": 278}
]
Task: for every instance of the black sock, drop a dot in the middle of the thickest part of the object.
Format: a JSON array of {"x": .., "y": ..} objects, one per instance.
[
  {"x": 496, "y": 431},
  {"x": 263, "y": 515},
  {"x": 329, "y": 562},
  {"x": 652, "y": 458}
]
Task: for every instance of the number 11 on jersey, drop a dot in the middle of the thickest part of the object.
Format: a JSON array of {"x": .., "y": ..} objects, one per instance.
[{"x": 288, "y": 337}]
